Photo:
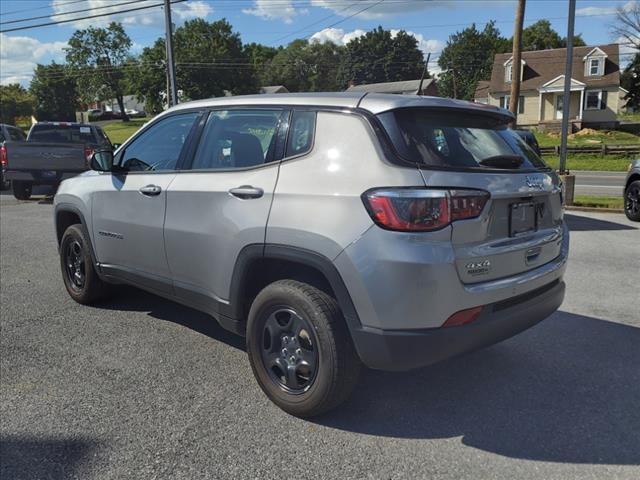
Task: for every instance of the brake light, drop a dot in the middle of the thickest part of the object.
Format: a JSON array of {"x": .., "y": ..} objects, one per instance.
[
  {"x": 422, "y": 209},
  {"x": 88, "y": 153},
  {"x": 4, "y": 161}
]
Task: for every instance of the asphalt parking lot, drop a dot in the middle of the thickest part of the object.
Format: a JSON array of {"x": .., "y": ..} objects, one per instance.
[{"x": 142, "y": 388}]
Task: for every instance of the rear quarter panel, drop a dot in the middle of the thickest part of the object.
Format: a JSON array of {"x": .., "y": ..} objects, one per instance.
[{"x": 317, "y": 203}]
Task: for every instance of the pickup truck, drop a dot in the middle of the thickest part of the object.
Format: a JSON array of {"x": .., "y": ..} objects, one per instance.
[
  {"x": 8, "y": 134},
  {"x": 52, "y": 152}
]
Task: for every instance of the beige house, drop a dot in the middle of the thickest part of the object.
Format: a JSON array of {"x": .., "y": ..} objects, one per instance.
[{"x": 596, "y": 97}]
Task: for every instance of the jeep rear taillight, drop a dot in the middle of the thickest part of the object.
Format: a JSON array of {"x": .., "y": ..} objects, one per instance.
[
  {"x": 422, "y": 209},
  {"x": 4, "y": 161}
]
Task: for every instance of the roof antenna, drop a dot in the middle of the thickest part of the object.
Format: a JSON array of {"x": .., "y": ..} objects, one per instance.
[{"x": 424, "y": 70}]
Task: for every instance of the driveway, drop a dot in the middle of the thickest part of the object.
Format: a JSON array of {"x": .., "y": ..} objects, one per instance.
[{"x": 139, "y": 387}]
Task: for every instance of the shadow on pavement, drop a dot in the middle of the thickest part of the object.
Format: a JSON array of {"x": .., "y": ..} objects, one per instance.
[
  {"x": 565, "y": 391},
  {"x": 132, "y": 299},
  {"x": 579, "y": 223},
  {"x": 31, "y": 458}
]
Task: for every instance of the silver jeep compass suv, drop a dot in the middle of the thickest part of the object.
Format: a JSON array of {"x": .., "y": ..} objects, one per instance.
[{"x": 332, "y": 230}]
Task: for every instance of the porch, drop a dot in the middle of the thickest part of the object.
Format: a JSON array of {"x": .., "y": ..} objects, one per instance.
[{"x": 551, "y": 101}]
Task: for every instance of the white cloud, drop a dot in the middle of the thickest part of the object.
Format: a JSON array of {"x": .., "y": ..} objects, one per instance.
[
  {"x": 609, "y": 10},
  {"x": 19, "y": 56},
  {"x": 384, "y": 9},
  {"x": 336, "y": 35},
  {"x": 153, "y": 16},
  {"x": 268, "y": 10}
]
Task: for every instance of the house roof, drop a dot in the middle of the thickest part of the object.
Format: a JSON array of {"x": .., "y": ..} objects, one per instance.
[
  {"x": 274, "y": 89},
  {"x": 542, "y": 66},
  {"x": 407, "y": 86},
  {"x": 482, "y": 89}
]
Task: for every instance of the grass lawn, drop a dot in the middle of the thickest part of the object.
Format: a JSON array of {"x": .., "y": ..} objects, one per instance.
[
  {"x": 119, "y": 131},
  {"x": 610, "y": 163},
  {"x": 598, "y": 202},
  {"x": 629, "y": 117},
  {"x": 598, "y": 137}
]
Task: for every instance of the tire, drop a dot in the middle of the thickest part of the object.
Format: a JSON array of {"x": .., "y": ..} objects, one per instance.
[
  {"x": 632, "y": 201},
  {"x": 78, "y": 271},
  {"x": 294, "y": 327},
  {"x": 22, "y": 190}
]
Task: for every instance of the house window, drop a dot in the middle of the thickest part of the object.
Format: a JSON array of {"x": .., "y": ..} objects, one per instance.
[
  {"x": 504, "y": 102},
  {"x": 508, "y": 73},
  {"x": 595, "y": 100},
  {"x": 594, "y": 66}
]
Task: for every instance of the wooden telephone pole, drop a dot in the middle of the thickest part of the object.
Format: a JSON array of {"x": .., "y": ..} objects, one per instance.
[{"x": 516, "y": 62}]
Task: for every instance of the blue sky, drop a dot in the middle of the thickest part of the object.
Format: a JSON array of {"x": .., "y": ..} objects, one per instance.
[{"x": 276, "y": 22}]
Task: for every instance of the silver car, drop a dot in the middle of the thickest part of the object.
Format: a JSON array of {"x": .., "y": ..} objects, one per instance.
[{"x": 332, "y": 230}]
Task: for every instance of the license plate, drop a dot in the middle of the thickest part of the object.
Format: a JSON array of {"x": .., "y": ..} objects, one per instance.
[{"x": 522, "y": 219}]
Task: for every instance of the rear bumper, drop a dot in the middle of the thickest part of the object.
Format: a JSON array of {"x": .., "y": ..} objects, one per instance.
[
  {"x": 407, "y": 349},
  {"x": 38, "y": 177}
]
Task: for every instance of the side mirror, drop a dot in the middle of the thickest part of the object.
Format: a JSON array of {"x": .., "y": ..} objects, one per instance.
[{"x": 102, "y": 161}]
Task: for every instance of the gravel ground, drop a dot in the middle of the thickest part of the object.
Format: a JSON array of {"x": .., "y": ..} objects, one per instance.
[{"x": 143, "y": 388}]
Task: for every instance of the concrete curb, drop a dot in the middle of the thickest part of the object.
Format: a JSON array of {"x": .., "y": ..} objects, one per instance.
[{"x": 594, "y": 209}]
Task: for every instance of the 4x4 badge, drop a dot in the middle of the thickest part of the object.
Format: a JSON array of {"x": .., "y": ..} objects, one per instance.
[{"x": 536, "y": 183}]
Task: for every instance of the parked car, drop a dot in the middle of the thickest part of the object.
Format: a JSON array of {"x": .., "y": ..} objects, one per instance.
[
  {"x": 530, "y": 140},
  {"x": 632, "y": 192},
  {"x": 8, "y": 134},
  {"x": 52, "y": 152},
  {"x": 132, "y": 113},
  {"x": 332, "y": 230}
]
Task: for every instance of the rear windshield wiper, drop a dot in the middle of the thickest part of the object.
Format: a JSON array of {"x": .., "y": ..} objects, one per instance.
[{"x": 512, "y": 162}]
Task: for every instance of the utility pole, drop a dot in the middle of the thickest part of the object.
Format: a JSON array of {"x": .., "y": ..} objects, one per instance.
[
  {"x": 171, "y": 67},
  {"x": 453, "y": 78},
  {"x": 569, "y": 180},
  {"x": 516, "y": 62},
  {"x": 425, "y": 70}
]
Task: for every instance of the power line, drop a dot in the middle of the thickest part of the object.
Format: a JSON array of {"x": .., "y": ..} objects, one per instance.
[
  {"x": 21, "y": 20},
  {"x": 15, "y": 29},
  {"x": 40, "y": 8}
]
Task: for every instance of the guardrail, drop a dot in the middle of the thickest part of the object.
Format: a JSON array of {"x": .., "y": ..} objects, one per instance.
[{"x": 597, "y": 149}]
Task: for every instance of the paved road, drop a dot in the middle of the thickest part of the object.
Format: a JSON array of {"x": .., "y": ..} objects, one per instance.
[
  {"x": 599, "y": 183},
  {"x": 142, "y": 388}
]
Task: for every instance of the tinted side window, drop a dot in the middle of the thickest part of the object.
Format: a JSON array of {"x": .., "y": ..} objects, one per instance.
[
  {"x": 237, "y": 139},
  {"x": 301, "y": 132},
  {"x": 16, "y": 134},
  {"x": 159, "y": 147}
]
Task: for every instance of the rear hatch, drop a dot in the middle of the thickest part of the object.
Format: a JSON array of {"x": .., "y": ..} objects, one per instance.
[{"x": 520, "y": 226}]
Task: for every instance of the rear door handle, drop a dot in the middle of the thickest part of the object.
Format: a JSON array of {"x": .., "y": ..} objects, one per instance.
[
  {"x": 150, "y": 190},
  {"x": 246, "y": 192}
]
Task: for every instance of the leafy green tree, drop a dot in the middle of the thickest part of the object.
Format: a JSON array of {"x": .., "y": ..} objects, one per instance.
[
  {"x": 378, "y": 56},
  {"x": 305, "y": 67},
  {"x": 54, "y": 90},
  {"x": 98, "y": 57},
  {"x": 630, "y": 80},
  {"x": 260, "y": 57},
  {"x": 541, "y": 36},
  {"x": 15, "y": 102},
  {"x": 211, "y": 60},
  {"x": 468, "y": 58},
  {"x": 148, "y": 82}
]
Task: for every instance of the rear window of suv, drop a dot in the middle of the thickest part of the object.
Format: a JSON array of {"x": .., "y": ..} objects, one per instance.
[
  {"x": 457, "y": 140},
  {"x": 62, "y": 134}
]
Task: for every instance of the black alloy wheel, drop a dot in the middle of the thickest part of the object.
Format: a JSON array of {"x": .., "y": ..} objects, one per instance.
[
  {"x": 289, "y": 350},
  {"x": 632, "y": 201},
  {"x": 75, "y": 266}
]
